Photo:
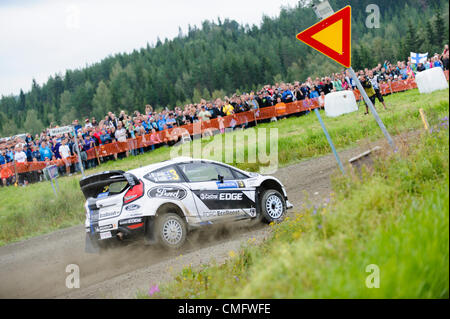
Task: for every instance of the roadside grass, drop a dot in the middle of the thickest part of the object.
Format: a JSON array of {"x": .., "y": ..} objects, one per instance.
[
  {"x": 33, "y": 210},
  {"x": 394, "y": 216}
]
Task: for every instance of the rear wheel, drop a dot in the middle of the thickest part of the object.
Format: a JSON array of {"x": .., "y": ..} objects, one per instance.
[
  {"x": 272, "y": 206},
  {"x": 170, "y": 230}
]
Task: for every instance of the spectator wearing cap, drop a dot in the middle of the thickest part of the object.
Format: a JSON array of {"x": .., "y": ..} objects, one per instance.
[{"x": 171, "y": 122}]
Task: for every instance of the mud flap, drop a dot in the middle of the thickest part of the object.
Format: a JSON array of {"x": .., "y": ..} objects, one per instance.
[{"x": 92, "y": 246}]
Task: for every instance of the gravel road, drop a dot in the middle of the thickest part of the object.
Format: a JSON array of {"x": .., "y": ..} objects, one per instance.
[{"x": 36, "y": 268}]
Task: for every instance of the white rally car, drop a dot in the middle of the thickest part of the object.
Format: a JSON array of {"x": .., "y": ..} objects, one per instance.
[{"x": 166, "y": 200}]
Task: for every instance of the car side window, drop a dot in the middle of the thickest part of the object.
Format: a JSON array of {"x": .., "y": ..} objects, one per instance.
[
  {"x": 239, "y": 175},
  {"x": 204, "y": 172},
  {"x": 164, "y": 175}
]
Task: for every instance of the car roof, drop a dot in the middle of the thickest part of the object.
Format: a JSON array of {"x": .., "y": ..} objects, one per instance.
[{"x": 141, "y": 171}]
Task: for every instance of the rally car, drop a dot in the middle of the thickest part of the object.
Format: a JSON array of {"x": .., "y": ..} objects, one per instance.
[{"x": 164, "y": 201}]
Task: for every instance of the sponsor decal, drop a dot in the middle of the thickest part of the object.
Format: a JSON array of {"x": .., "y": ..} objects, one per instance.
[
  {"x": 225, "y": 212},
  {"x": 207, "y": 196},
  {"x": 102, "y": 228},
  {"x": 108, "y": 214},
  {"x": 227, "y": 184},
  {"x": 135, "y": 214},
  {"x": 132, "y": 207},
  {"x": 130, "y": 221},
  {"x": 217, "y": 200},
  {"x": 169, "y": 192},
  {"x": 241, "y": 184},
  {"x": 103, "y": 195},
  {"x": 230, "y": 196}
]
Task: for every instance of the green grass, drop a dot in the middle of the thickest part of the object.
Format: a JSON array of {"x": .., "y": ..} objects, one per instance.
[
  {"x": 395, "y": 216},
  {"x": 33, "y": 210}
]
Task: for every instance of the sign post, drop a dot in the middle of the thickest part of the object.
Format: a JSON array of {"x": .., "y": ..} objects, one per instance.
[
  {"x": 332, "y": 37},
  {"x": 78, "y": 151},
  {"x": 51, "y": 173},
  {"x": 330, "y": 141},
  {"x": 371, "y": 107}
]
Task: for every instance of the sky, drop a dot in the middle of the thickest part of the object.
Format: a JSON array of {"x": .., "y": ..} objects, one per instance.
[{"x": 39, "y": 38}]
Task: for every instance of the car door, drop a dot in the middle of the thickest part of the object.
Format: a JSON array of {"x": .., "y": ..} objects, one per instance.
[
  {"x": 218, "y": 194},
  {"x": 169, "y": 185}
]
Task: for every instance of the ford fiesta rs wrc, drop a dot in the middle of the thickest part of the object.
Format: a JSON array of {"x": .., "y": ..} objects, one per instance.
[{"x": 164, "y": 201}]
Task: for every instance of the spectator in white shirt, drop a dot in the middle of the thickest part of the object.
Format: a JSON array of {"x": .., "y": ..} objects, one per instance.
[
  {"x": 20, "y": 157},
  {"x": 64, "y": 151},
  {"x": 121, "y": 134}
]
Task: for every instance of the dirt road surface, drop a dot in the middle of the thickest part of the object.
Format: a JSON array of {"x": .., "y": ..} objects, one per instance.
[{"x": 36, "y": 268}]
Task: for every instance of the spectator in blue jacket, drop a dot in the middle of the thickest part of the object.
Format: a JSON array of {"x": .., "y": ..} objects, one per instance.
[
  {"x": 45, "y": 152},
  {"x": 2, "y": 158},
  {"x": 313, "y": 93},
  {"x": 287, "y": 96},
  {"x": 55, "y": 148}
]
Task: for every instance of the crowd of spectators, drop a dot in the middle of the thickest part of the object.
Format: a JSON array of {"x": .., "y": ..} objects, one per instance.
[{"x": 92, "y": 132}]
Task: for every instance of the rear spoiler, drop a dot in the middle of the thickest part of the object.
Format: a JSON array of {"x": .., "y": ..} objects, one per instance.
[{"x": 92, "y": 185}]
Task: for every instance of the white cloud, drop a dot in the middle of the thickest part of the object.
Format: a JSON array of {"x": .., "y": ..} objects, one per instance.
[{"x": 39, "y": 39}]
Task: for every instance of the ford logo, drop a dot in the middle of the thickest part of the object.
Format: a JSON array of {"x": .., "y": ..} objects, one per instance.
[
  {"x": 132, "y": 207},
  {"x": 170, "y": 192}
]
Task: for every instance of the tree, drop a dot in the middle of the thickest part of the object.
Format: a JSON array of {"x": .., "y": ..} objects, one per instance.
[
  {"x": 102, "y": 101},
  {"x": 32, "y": 124},
  {"x": 439, "y": 30},
  {"x": 197, "y": 96},
  {"x": 411, "y": 40},
  {"x": 67, "y": 108}
]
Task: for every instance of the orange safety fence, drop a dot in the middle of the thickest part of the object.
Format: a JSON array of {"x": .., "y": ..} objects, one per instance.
[{"x": 207, "y": 127}]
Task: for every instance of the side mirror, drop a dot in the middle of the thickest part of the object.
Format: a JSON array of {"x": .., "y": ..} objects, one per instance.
[{"x": 220, "y": 178}]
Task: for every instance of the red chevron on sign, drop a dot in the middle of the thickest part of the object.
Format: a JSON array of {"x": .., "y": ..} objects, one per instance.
[{"x": 332, "y": 36}]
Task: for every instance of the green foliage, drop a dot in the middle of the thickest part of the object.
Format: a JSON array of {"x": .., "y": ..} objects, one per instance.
[
  {"x": 224, "y": 56},
  {"x": 32, "y": 124},
  {"x": 395, "y": 215}
]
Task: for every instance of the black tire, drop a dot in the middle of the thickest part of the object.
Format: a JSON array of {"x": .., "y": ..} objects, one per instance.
[
  {"x": 170, "y": 231},
  {"x": 272, "y": 206}
]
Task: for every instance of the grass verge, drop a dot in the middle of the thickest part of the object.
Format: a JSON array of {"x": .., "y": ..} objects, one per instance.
[{"x": 393, "y": 218}]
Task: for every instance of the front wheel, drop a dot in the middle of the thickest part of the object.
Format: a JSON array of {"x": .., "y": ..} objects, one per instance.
[
  {"x": 170, "y": 231},
  {"x": 272, "y": 206}
]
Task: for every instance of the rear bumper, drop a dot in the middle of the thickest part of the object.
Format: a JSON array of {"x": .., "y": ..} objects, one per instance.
[{"x": 122, "y": 231}]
